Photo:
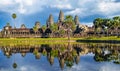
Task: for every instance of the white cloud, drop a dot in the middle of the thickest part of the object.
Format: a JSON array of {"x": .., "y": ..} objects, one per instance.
[
  {"x": 92, "y": 7},
  {"x": 80, "y": 7},
  {"x": 109, "y": 8},
  {"x": 75, "y": 11},
  {"x": 109, "y": 67},
  {"x": 0, "y": 30},
  {"x": 60, "y": 6},
  {"x": 90, "y": 24},
  {"x": 21, "y": 6},
  {"x": 31, "y": 6},
  {"x": 23, "y": 69}
]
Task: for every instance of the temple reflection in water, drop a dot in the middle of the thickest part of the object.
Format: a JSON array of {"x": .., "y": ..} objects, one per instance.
[{"x": 67, "y": 54}]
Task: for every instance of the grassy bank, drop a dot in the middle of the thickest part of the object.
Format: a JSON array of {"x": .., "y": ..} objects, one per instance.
[
  {"x": 110, "y": 39},
  {"x": 5, "y": 41},
  {"x": 102, "y": 38},
  {"x": 27, "y": 41}
]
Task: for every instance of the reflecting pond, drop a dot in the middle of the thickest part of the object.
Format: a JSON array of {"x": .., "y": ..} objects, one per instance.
[{"x": 60, "y": 57}]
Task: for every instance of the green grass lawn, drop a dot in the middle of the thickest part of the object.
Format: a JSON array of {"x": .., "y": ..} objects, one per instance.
[
  {"x": 102, "y": 38},
  {"x": 26, "y": 41}
]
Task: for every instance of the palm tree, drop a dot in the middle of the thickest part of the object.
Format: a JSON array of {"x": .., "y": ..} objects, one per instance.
[
  {"x": 70, "y": 25},
  {"x": 98, "y": 23},
  {"x": 43, "y": 27},
  {"x": 107, "y": 24},
  {"x": 14, "y": 65},
  {"x": 117, "y": 18},
  {"x": 14, "y": 16},
  {"x": 116, "y": 23},
  {"x": 54, "y": 27},
  {"x": 8, "y": 24}
]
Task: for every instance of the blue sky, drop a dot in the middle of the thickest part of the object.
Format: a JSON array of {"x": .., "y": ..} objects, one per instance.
[{"x": 30, "y": 11}]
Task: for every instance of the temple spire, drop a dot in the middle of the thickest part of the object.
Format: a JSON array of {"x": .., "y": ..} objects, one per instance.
[
  {"x": 61, "y": 16},
  {"x": 76, "y": 20},
  {"x": 50, "y": 21}
]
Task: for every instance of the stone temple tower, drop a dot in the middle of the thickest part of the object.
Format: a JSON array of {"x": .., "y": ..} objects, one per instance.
[
  {"x": 61, "y": 16},
  {"x": 76, "y": 20},
  {"x": 50, "y": 21}
]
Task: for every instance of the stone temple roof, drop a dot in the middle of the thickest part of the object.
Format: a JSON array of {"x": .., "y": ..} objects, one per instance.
[{"x": 83, "y": 27}]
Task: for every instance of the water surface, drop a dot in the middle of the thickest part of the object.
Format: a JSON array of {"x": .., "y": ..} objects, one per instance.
[{"x": 60, "y": 57}]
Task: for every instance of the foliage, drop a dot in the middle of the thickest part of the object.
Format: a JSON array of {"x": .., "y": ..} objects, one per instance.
[
  {"x": 14, "y": 16},
  {"x": 107, "y": 23},
  {"x": 117, "y": 62},
  {"x": 69, "y": 22},
  {"x": 70, "y": 25},
  {"x": 54, "y": 53},
  {"x": 8, "y": 24},
  {"x": 54, "y": 27},
  {"x": 43, "y": 27},
  {"x": 62, "y": 31},
  {"x": 44, "y": 53},
  {"x": 35, "y": 52},
  {"x": 69, "y": 63},
  {"x": 14, "y": 65},
  {"x": 35, "y": 28}
]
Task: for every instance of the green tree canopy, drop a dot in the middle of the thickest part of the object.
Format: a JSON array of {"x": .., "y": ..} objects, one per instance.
[
  {"x": 70, "y": 25},
  {"x": 43, "y": 27},
  {"x": 35, "y": 28},
  {"x": 14, "y": 16},
  {"x": 98, "y": 22},
  {"x": 69, "y": 22},
  {"x": 8, "y": 24},
  {"x": 54, "y": 27}
]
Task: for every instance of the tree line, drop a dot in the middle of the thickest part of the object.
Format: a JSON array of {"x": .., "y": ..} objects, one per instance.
[{"x": 106, "y": 24}]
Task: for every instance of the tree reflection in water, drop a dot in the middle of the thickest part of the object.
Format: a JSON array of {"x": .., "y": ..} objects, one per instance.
[
  {"x": 14, "y": 65},
  {"x": 111, "y": 55},
  {"x": 67, "y": 54}
]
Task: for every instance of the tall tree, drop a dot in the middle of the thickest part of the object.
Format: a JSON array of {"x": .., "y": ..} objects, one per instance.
[
  {"x": 70, "y": 25},
  {"x": 116, "y": 24},
  {"x": 98, "y": 24},
  {"x": 107, "y": 23},
  {"x": 116, "y": 18},
  {"x": 14, "y": 65},
  {"x": 14, "y": 16}
]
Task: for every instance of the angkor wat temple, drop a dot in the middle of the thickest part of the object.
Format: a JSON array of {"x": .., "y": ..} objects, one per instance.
[
  {"x": 38, "y": 31},
  {"x": 56, "y": 29}
]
